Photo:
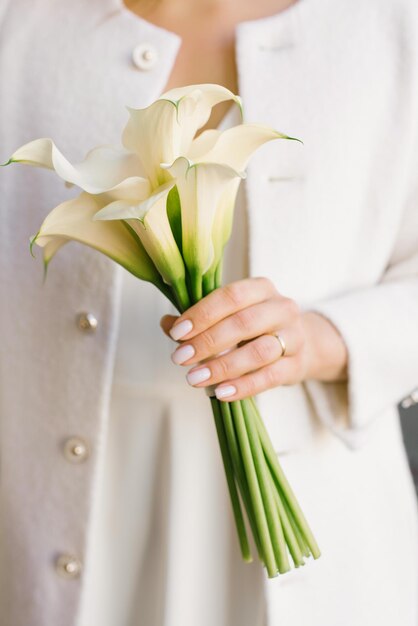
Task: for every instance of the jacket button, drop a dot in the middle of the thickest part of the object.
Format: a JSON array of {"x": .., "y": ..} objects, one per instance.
[
  {"x": 87, "y": 321},
  {"x": 144, "y": 56},
  {"x": 68, "y": 566},
  {"x": 76, "y": 450}
]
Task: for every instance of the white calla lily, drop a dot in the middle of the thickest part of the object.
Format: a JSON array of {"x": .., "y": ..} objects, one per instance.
[
  {"x": 235, "y": 145},
  {"x": 165, "y": 130},
  {"x": 50, "y": 246},
  {"x": 153, "y": 135},
  {"x": 149, "y": 219},
  {"x": 223, "y": 221},
  {"x": 194, "y": 105},
  {"x": 203, "y": 143},
  {"x": 124, "y": 209},
  {"x": 103, "y": 168},
  {"x": 131, "y": 188},
  {"x": 232, "y": 147},
  {"x": 200, "y": 186},
  {"x": 73, "y": 220},
  {"x": 210, "y": 94}
]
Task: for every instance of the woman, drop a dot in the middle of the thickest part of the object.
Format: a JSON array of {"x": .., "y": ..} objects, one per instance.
[{"x": 114, "y": 507}]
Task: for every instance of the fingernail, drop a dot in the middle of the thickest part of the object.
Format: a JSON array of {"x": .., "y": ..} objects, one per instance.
[
  {"x": 225, "y": 391},
  {"x": 179, "y": 330},
  {"x": 198, "y": 376},
  {"x": 184, "y": 353}
]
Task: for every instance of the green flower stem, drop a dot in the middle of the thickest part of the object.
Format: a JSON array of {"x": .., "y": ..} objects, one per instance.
[
  {"x": 239, "y": 470},
  {"x": 288, "y": 531},
  {"x": 208, "y": 282},
  {"x": 195, "y": 285},
  {"x": 254, "y": 488},
  {"x": 236, "y": 507},
  {"x": 283, "y": 485},
  {"x": 267, "y": 488},
  {"x": 218, "y": 273},
  {"x": 299, "y": 537},
  {"x": 181, "y": 295},
  {"x": 284, "y": 513},
  {"x": 238, "y": 443}
]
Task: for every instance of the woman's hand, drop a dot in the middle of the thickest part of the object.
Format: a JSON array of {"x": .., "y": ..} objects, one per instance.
[{"x": 228, "y": 335}]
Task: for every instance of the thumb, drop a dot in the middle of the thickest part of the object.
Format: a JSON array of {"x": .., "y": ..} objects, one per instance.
[{"x": 166, "y": 323}]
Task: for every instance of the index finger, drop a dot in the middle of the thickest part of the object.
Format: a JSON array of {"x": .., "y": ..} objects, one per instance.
[{"x": 219, "y": 304}]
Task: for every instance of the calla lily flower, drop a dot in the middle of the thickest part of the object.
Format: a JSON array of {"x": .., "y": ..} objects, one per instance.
[
  {"x": 165, "y": 130},
  {"x": 103, "y": 169},
  {"x": 73, "y": 220},
  {"x": 232, "y": 147},
  {"x": 149, "y": 220},
  {"x": 194, "y": 106},
  {"x": 200, "y": 186},
  {"x": 235, "y": 145},
  {"x": 208, "y": 186}
]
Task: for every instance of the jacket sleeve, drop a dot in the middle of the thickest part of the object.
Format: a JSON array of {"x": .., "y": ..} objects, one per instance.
[{"x": 379, "y": 325}]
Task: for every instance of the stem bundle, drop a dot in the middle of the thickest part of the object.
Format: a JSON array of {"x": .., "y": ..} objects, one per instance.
[
  {"x": 255, "y": 479},
  {"x": 253, "y": 471}
]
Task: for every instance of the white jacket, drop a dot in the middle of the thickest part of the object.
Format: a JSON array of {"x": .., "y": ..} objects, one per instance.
[{"x": 334, "y": 223}]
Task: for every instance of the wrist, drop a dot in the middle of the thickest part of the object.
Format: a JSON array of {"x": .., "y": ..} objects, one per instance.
[{"x": 326, "y": 353}]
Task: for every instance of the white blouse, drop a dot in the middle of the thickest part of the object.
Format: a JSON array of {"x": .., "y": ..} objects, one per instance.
[{"x": 164, "y": 549}]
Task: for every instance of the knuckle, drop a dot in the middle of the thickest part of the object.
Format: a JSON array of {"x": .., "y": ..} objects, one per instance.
[
  {"x": 291, "y": 307},
  {"x": 261, "y": 350},
  {"x": 271, "y": 377},
  {"x": 235, "y": 294},
  {"x": 205, "y": 315},
  {"x": 207, "y": 342},
  {"x": 247, "y": 386},
  {"x": 266, "y": 283},
  {"x": 221, "y": 368},
  {"x": 244, "y": 319}
]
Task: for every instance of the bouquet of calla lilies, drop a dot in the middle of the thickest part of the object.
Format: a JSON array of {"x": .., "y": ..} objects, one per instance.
[{"x": 162, "y": 207}]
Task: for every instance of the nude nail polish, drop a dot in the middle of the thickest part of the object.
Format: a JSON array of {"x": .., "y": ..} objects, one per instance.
[
  {"x": 198, "y": 376},
  {"x": 182, "y": 354},
  {"x": 225, "y": 391},
  {"x": 180, "y": 330}
]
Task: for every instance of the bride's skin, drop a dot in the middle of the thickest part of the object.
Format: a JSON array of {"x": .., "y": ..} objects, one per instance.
[{"x": 249, "y": 309}]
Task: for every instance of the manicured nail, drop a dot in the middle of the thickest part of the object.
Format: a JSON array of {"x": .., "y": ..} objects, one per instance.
[
  {"x": 179, "y": 330},
  {"x": 225, "y": 391},
  {"x": 184, "y": 353},
  {"x": 198, "y": 376}
]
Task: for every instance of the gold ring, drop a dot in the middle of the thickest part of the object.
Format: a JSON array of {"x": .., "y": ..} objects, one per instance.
[{"x": 281, "y": 342}]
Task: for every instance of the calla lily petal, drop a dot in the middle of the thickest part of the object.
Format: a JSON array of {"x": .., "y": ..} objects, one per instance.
[
  {"x": 133, "y": 188},
  {"x": 125, "y": 209},
  {"x": 150, "y": 221},
  {"x": 200, "y": 187},
  {"x": 51, "y": 246},
  {"x": 73, "y": 220},
  {"x": 158, "y": 240},
  {"x": 235, "y": 145},
  {"x": 194, "y": 104},
  {"x": 103, "y": 168},
  {"x": 153, "y": 134},
  {"x": 202, "y": 144},
  {"x": 223, "y": 220}
]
